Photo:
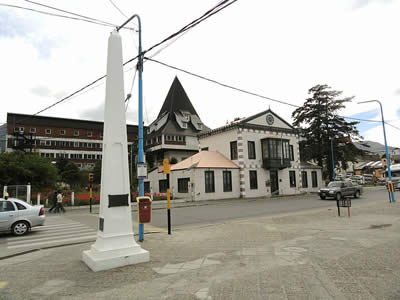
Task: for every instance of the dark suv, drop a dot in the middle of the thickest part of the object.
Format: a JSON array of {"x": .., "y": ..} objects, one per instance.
[{"x": 339, "y": 189}]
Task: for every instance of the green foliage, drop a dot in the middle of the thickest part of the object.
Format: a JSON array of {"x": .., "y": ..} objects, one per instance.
[
  {"x": 319, "y": 121},
  {"x": 68, "y": 171},
  {"x": 97, "y": 172},
  {"x": 21, "y": 168}
]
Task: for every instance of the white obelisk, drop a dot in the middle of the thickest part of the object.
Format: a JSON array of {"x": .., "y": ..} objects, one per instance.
[{"x": 115, "y": 245}]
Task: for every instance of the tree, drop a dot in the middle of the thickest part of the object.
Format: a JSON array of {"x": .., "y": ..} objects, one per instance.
[
  {"x": 97, "y": 172},
  {"x": 68, "y": 171},
  {"x": 320, "y": 123},
  {"x": 18, "y": 167}
]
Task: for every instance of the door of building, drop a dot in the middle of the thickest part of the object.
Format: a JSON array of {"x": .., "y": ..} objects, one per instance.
[{"x": 273, "y": 174}]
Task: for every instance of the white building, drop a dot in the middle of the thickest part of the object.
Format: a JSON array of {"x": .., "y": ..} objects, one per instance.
[
  {"x": 266, "y": 148},
  {"x": 253, "y": 157},
  {"x": 207, "y": 175}
]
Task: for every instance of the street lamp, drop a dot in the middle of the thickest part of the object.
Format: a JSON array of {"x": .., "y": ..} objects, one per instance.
[
  {"x": 141, "y": 163},
  {"x": 391, "y": 195}
]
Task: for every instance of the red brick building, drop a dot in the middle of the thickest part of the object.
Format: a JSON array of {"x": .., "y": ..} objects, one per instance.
[{"x": 78, "y": 140}]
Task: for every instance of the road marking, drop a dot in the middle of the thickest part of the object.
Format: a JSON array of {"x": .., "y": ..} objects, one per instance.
[
  {"x": 3, "y": 284},
  {"x": 88, "y": 237},
  {"x": 49, "y": 236},
  {"x": 59, "y": 225},
  {"x": 59, "y": 229}
]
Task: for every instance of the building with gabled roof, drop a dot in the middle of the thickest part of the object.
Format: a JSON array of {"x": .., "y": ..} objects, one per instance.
[
  {"x": 173, "y": 134},
  {"x": 206, "y": 175},
  {"x": 266, "y": 148}
]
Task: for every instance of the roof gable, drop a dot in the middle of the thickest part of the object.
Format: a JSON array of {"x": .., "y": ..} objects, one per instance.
[
  {"x": 177, "y": 100},
  {"x": 205, "y": 159},
  {"x": 267, "y": 118}
]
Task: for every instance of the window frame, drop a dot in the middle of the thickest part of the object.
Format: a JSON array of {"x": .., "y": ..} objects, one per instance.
[
  {"x": 161, "y": 183},
  {"x": 253, "y": 180},
  {"x": 227, "y": 181},
  {"x": 251, "y": 145},
  {"x": 314, "y": 179},
  {"x": 304, "y": 179},
  {"x": 233, "y": 150},
  {"x": 291, "y": 152},
  {"x": 292, "y": 178},
  {"x": 47, "y": 131},
  {"x": 209, "y": 181},
  {"x": 183, "y": 185}
]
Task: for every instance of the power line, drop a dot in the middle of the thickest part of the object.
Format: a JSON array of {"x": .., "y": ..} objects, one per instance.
[
  {"x": 210, "y": 12},
  {"x": 117, "y": 8},
  {"x": 248, "y": 92},
  {"x": 58, "y": 15},
  {"x": 222, "y": 84},
  {"x": 68, "y": 12},
  {"x": 220, "y": 6}
]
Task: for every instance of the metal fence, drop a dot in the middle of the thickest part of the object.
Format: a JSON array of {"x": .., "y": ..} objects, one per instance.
[{"x": 22, "y": 192}]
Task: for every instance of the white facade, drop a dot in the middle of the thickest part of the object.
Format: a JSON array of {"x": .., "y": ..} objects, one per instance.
[
  {"x": 255, "y": 176},
  {"x": 254, "y": 130}
]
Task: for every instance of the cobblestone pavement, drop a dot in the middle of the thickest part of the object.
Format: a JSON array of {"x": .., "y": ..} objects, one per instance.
[{"x": 307, "y": 255}]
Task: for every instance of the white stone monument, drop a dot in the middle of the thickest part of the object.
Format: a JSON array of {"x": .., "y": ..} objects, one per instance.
[{"x": 115, "y": 245}]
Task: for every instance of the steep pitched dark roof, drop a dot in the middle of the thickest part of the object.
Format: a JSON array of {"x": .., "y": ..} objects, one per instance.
[{"x": 176, "y": 100}]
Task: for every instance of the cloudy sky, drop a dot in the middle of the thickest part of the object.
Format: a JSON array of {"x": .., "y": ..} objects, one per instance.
[{"x": 278, "y": 49}]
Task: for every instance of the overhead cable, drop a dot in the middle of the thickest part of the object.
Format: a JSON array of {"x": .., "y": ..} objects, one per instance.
[
  {"x": 248, "y": 92},
  {"x": 193, "y": 23}
]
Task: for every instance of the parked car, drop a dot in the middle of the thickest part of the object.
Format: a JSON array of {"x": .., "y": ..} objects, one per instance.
[
  {"x": 396, "y": 183},
  {"x": 18, "y": 217},
  {"x": 339, "y": 189}
]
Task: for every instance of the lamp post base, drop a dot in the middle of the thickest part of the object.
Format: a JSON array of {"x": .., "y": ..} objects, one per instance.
[{"x": 113, "y": 258}]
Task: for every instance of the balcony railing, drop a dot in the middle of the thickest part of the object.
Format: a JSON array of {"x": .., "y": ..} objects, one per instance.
[{"x": 276, "y": 163}]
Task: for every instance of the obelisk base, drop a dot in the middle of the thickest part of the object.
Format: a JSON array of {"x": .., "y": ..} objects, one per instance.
[{"x": 100, "y": 260}]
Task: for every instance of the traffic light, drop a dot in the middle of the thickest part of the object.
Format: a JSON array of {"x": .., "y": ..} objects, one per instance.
[{"x": 91, "y": 177}]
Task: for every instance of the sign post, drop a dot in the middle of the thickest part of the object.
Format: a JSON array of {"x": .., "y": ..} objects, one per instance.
[
  {"x": 167, "y": 170},
  {"x": 141, "y": 174}
]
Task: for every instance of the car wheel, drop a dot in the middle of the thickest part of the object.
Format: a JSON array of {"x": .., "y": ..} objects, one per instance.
[
  {"x": 322, "y": 197},
  {"x": 20, "y": 228},
  {"x": 338, "y": 196},
  {"x": 357, "y": 194}
]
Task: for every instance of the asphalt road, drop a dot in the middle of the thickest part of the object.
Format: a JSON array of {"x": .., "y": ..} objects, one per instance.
[
  {"x": 78, "y": 225},
  {"x": 238, "y": 209},
  {"x": 220, "y": 211}
]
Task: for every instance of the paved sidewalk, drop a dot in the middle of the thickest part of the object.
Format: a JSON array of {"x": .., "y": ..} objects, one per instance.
[{"x": 307, "y": 255}]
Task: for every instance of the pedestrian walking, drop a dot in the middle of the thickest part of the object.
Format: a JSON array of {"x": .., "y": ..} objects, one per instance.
[
  {"x": 53, "y": 202},
  {"x": 59, "y": 202}
]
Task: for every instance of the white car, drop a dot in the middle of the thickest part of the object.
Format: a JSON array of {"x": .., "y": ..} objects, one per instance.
[{"x": 18, "y": 217}]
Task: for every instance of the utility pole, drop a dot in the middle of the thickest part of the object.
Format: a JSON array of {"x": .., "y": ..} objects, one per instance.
[
  {"x": 390, "y": 184},
  {"x": 141, "y": 163}
]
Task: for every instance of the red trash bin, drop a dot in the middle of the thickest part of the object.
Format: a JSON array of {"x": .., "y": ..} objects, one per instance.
[{"x": 144, "y": 209}]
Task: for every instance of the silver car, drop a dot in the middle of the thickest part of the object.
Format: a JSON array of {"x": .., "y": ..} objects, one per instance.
[{"x": 19, "y": 217}]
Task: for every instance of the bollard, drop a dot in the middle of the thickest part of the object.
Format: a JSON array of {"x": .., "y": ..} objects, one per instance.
[
  {"x": 72, "y": 198},
  {"x": 38, "y": 199}
]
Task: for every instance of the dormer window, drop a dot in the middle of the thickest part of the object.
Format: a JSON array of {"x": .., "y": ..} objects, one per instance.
[{"x": 184, "y": 125}]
